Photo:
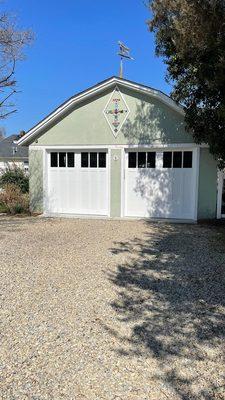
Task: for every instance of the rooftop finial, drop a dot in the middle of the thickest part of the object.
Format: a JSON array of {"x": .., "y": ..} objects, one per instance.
[{"x": 124, "y": 52}]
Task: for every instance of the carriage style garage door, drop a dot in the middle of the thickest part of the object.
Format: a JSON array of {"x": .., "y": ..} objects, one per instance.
[
  {"x": 160, "y": 184},
  {"x": 78, "y": 182}
]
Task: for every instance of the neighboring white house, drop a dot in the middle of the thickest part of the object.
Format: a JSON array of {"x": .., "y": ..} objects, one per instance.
[{"x": 11, "y": 154}]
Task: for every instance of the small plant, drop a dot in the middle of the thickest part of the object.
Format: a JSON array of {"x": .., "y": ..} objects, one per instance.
[
  {"x": 13, "y": 200},
  {"x": 16, "y": 176}
]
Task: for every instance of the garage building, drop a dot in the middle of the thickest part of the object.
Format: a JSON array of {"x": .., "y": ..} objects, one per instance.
[{"x": 120, "y": 149}]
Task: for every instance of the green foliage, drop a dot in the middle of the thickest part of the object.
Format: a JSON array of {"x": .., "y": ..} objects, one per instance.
[
  {"x": 13, "y": 200},
  {"x": 190, "y": 36},
  {"x": 17, "y": 177},
  {"x": 2, "y": 208}
]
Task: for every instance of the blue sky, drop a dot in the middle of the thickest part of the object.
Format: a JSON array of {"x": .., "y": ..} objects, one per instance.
[{"x": 75, "y": 47}]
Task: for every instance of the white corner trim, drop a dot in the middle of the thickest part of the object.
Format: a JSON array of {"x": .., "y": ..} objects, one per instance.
[
  {"x": 45, "y": 179},
  {"x": 122, "y": 183},
  {"x": 91, "y": 92},
  {"x": 220, "y": 177},
  {"x": 108, "y": 158},
  {"x": 197, "y": 171}
]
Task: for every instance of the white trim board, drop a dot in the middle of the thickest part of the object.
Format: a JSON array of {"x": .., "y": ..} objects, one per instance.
[
  {"x": 118, "y": 146},
  {"x": 221, "y": 176},
  {"x": 111, "y": 82}
]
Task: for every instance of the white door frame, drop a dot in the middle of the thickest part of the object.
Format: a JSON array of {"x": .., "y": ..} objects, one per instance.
[
  {"x": 46, "y": 162},
  {"x": 221, "y": 177}
]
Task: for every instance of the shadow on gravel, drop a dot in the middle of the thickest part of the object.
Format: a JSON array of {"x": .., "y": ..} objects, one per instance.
[{"x": 172, "y": 294}]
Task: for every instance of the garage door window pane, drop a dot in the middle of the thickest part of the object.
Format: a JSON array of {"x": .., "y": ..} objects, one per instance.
[
  {"x": 62, "y": 159},
  {"x": 187, "y": 159},
  {"x": 93, "y": 160},
  {"x": 70, "y": 160},
  {"x": 54, "y": 159},
  {"x": 84, "y": 160},
  {"x": 141, "y": 160},
  {"x": 177, "y": 159},
  {"x": 131, "y": 160},
  {"x": 102, "y": 160},
  {"x": 151, "y": 159},
  {"x": 167, "y": 159}
]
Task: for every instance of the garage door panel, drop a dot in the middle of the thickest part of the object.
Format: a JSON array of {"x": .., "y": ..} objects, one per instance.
[
  {"x": 177, "y": 201},
  {"x": 53, "y": 199},
  {"x": 92, "y": 182},
  {"x": 137, "y": 197},
  {"x": 189, "y": 193},
  {"x": 71, "y": 194},
  {"x": 149, "y": 193},
  {"x": 160, "y": 192},
  {"x": 78, "y": 190}
]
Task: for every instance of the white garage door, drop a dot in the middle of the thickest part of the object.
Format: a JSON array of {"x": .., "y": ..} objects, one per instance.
[
  {"x": 78, "y": 182},
  {"x": 160, "y": 184}
]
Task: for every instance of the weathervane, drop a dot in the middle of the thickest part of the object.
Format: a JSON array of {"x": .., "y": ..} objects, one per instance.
[{"x": 124, "y": 52}]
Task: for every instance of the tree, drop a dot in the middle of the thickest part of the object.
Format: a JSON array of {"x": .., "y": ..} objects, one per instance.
[
  {"x": 12, "y": 43},
  {"x": 190, "y": 36}
]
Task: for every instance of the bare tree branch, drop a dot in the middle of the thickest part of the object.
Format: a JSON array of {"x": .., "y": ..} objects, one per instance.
[
  {"x": 12, "y": 44},
  {"x": 6, "y": 79},
  {"x": 7, "y": 97},
  {"x": 6, "y": 114}
]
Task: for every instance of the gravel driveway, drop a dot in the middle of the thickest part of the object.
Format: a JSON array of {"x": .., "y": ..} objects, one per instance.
[{"x": 100, "y": 309}]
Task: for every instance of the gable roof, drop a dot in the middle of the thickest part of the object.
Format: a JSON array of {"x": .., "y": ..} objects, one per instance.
[
  {"x": 9, "y": 150},
  {"x": 88, "y": 93}
]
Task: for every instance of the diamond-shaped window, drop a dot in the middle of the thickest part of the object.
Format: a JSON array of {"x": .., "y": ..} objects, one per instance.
[{"x": 116, "y": 111}]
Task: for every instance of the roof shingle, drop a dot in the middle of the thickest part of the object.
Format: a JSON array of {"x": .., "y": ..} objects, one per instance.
[{"x": 10, "y": 150}]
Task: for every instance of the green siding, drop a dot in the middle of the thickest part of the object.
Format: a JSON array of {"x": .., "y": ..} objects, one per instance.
[
  {"x": 115, "y": 183},
  {"x": 149, "y": 121},
  {"x": 207, "y": 195},
  {"x": 36, "y": 180}
]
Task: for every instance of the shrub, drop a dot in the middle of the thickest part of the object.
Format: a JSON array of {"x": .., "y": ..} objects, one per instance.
[
  {"x": 16, "y": 176},
  {"x": 2, "y": 208},
  {"x": 14, "y": 200}
]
